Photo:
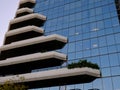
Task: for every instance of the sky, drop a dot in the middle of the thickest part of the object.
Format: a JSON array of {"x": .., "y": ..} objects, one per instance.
[{"x": 7, "y": 12}]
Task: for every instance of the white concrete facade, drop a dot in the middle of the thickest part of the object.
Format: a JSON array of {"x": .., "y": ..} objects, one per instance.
[
  {"x": 32, "y": 41},
  {"x": 33, "y": 57},
  {"x": 24, "y": 1},
  {"x": 28, "y": 17},
  {"x": 23, "y": 30},
  {"x": 22, "y": 10},
  {"x": 51, "y": 74}
]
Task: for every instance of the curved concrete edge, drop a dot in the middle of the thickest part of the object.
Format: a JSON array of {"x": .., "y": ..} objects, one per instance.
[
  {"x": 52, "y": 74},
  {"x": 33, "y": 57},
  {"x": 27, "y": 17},
  {"x": 24, "y": 1},
  {"x": 24, "y": 10},
  {"x": 32, "y": 41},
  {"x": 23, "y": 30}
]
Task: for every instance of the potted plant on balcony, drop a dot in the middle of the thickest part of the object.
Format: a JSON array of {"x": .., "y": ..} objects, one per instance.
[{"x": 83, "y": 63}]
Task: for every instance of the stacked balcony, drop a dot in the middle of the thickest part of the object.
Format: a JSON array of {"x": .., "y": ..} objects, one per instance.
[
  {"x": 26, "y": 48},
  {"x": 27, "y": 3},
  {"x": 57, "y": 77}
]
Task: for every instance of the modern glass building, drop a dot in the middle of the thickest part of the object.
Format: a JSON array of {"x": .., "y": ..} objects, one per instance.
[{"x": 93, "y": 32}]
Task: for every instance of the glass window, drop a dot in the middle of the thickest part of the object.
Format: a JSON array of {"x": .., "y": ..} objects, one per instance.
[
  {"x": 97, "y": 84},
  {"x": 79, "y": 86},
  {"x": 107, "y": 84},
  {"x": 87, "y": 86},
  {"x": 113, "y": 59},
  {"x": 102, "y": 41},
  {"x": 86, "y": 53},
  {"x": 69, "y": 87},
  {"x": 95, "y": 60},
  {"x": 71, "y": 56},
  {"x": 71, "y": 47},
  {"x": 98, "y": 10},
  {"x": 116, "y": 83},
  {"x": 104, "y": 61},
  {"x": 103, "y": 50},
  {"x": 115, "y": 70},
  {"x": 108, "y": 23},
  {"x": 62, "y": 88},
  {"x": 79, "y": 54},
  {"x": 100, "y": 24},
  {"x": 86, "y": 44},
  {"x": 72, "y": 31},
  {"x": 117, "y": 38},
  {"x": 94, "y": 43},
  {"x": 112, "y": 49},
  {"x": 106, "y": 72},
  {"x": 109, "y": 30},
  {"x": 79, "y": 46},
  {"x": 115, "y": 21},
  {"x": 95, "y": 52},
  {"x": 110, "y": 40}
]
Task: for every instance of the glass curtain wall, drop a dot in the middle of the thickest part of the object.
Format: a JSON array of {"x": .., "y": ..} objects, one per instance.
[{"x": 93, "y": 30}]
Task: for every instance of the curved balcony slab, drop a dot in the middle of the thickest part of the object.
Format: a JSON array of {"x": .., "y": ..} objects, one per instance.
[
  {"x": 27, "y": 17},
  {"x": 32, "y": 61},
  {"x": 23, "y": 33},
  {"x": 24, "y": 1},
  {"x": 55, "y": 77},
  {"x": 41, "y": 39},
  {"x": 27, "y": 3},
  {"x": 30, "y": 19},
  {"x": 23, "y": 11},
  {"x": 34, "y": 45},
  {"x": 23, "y": 30}
]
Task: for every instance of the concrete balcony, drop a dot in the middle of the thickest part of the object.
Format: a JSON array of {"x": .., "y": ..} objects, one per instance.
[
  {"x": 55, "y": 77},
  {"x": 27, "y": 3},
  {"x": 23, "y": 33},
  {"x": 31, "y": 19},
  {"x": 23, "y": 11},
  {"x": 26, "y": 63},
  {"x": 34, "y": 45}
]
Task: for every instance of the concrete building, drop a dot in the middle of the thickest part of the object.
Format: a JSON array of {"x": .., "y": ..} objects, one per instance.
[{"x": 47, "y": 35}]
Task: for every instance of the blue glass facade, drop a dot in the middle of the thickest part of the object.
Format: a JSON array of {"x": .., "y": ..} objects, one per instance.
[{"x": 93, "y": 30}]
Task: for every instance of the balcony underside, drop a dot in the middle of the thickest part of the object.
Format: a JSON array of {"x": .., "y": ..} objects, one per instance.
[
  {"x": 22, "y": 14},
  {"x": 26, "y": 63},
  {"x": 22, "y": 36},
  {"x": 60, "y": 81},
  {"x": 41, "y": 47},
  {"x": 27, "y": 20},
  {"x": 23, "y": 11},
  {"x": 57, "y": 77},
  {"x": 24, "y": 30},
  {"x": 34, "y": 21},
  {"x": 34, "y": 45},
  {"x": 27, "y": 4}
]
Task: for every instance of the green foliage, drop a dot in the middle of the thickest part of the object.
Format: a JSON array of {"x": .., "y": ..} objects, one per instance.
[
  {"x": 10, "y": 85},
  {"x": 83, "y": 63}
]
